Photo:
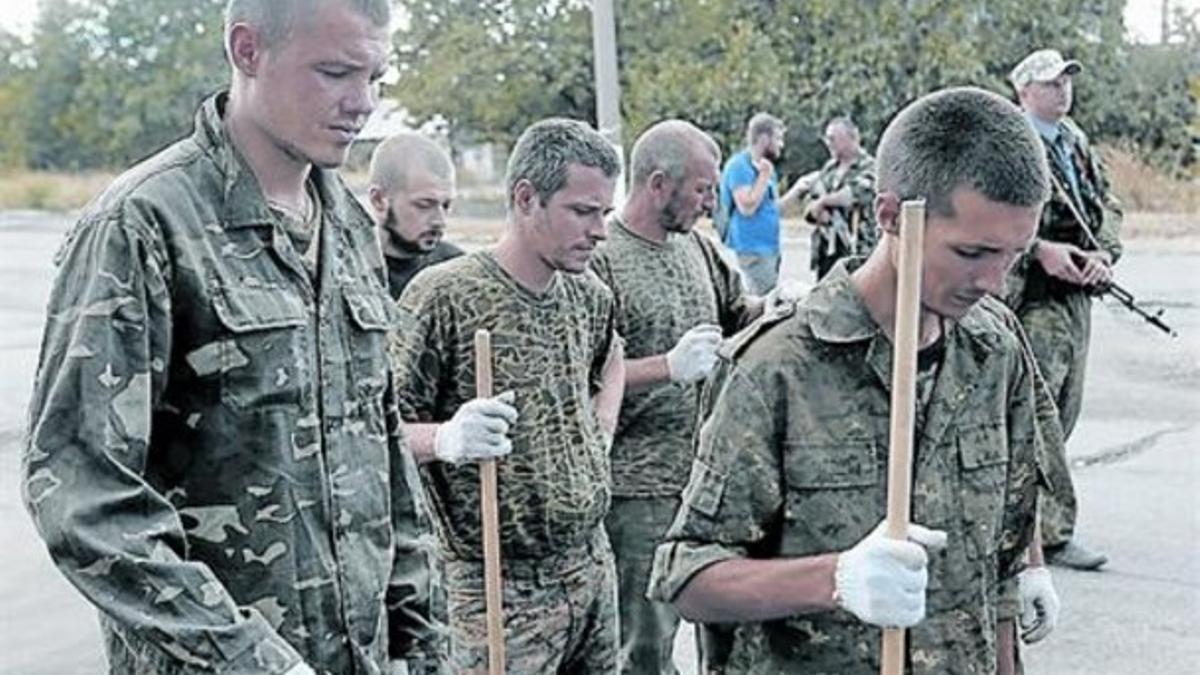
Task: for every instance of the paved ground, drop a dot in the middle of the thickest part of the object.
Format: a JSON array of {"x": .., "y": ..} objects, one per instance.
[{"x": 1138, "y": 477}]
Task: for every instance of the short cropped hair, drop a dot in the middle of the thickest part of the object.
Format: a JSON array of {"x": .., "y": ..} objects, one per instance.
[
  {"x": 962, "y": 137},
  {"x": 275, "y": 18},
  {"x": 762, "y": 124},
  {"x": 544, "y": 150},
  {"x": 404, "y": 154},
  {"x": 845, "y": 123},
  {"x": 667, "y": 147}
]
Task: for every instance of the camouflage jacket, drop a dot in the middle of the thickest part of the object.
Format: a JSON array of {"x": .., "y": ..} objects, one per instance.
[
  {"x": 1094, "y": 201},
  {"x": 859, "y": 217},
  {"x": 549, "y": 349},
  {"x": 662, "y": 291},
  {"x": 791, "y": 461},
  {"x": 214, "y": 454}
]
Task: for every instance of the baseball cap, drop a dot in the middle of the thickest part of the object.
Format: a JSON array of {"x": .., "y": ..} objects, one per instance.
[{"x": 1042, "y": 66}]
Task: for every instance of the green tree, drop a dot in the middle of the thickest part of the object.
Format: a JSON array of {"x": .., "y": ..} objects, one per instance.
[
  {"x": 492, "y": 68},
  {"x": 119, "y": 79},
  {"x": 16, "y": 65}
]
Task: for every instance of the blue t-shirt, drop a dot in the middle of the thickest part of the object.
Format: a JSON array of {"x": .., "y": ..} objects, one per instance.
[{"x": 759, "y": 233}]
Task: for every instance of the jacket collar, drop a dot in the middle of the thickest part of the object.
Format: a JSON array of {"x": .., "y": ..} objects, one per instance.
[{"x": 243, "y": 202}]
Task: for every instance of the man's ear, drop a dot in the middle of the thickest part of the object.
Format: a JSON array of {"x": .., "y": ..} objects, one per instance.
[
  {"x": 525, "y": 197},
  {"x": 887, "y": 212},
  {"x": 379, "y": 200},
  {"x": 244, "y": 46},
  {"x": 659, "y": 182}
]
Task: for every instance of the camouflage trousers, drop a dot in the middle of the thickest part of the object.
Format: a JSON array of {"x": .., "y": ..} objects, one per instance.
[
  {"x": 821, "y": 259},
  {"x": 1059, "y": 330},
  {"x": 560, "y": 613},
  {"x": 760, "y": 272},
  {"x": 636, "y": 525}
]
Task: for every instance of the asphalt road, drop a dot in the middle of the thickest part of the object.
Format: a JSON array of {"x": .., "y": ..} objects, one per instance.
[{"x": 1138, "y": 477}]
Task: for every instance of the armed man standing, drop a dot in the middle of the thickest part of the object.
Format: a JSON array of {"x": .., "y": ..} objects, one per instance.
[
  {"x": 1053, "y": 285},
  {"x": 840, "y": 199}
]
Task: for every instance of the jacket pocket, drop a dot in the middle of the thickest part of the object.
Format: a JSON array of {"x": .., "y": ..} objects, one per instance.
[
  {"x": 983, "y": 461},
  {"x": 372, "y": 316},
  {"x": 262, "y": 356},
  {"x": 834, "y": 495}
]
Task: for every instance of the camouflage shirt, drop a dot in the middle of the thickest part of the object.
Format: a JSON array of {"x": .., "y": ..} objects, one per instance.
[
  {"x": 791, "y": 461},
  {"x": 1091, "y": 196},
  {"x": 550, "y": 350},
  {"x": 860, "y": 215},
  {"x": 662, "y": 291},
  {"x": 214, "y": 455}
]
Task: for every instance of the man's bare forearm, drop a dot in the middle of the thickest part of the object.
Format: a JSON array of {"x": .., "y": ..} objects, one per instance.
[
  {"x": 747, "y": 589},
  {"x": 421, "y": 440},
  {"x": 646, "y": 372}
]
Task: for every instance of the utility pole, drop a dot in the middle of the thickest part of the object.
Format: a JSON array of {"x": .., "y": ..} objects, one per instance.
[
  {"x": 1166, "y": 22},
  {"x": 608, "y": 89}
]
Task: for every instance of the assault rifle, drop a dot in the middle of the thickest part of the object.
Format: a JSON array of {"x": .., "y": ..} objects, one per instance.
[
  {"x": 1126, "y": 298},
  {"x": 1112, "y": 288}
]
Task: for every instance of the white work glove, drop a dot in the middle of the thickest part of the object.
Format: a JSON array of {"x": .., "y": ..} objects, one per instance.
[
  {"x": 398, "y": 667},
  {"x": 301, "y": 668},
  {"x": 786, "y": 293},
  {"x": 882, "y": 581},
  {"x": 695, "y": 355},
  {"x": 1039, "y": 604},
  {"x": 478, "y": 430}
]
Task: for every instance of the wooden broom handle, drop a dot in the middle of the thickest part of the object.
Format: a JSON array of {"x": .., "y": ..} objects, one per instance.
[
  {"x": 904, "y": 375},
  {"x": 488, "y": 500}
]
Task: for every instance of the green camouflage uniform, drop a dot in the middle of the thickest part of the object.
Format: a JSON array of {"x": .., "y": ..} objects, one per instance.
[
  {"x": 791, "y": 461},
  {"x": 1057, "y": 316},
  {"x": 214, "y": 456},
  {"x": 550, "y": 350},
  {"x": 858, "y": 219},
  {"x": 662, "y": 291}
]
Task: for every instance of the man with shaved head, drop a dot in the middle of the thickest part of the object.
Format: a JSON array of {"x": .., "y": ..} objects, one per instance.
[
  {"x": 677, "y": 297},
  {"x": 412, "y": 187},
  {"x": 213, "y": 456}
]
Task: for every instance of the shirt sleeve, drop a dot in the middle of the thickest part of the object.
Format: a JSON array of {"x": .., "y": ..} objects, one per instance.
[
  {"x": 741, "y": 174},
  {"x": 1108, "y": 235},
  {"x": 414, "y": 629},
  {"x": 732, "y": 299},
  {"x": 116, "y": 538},
  {"x": 418, "y": 351},
  {"x": 1032, "y": 422},
  {"x": 734, "y": 496},
  {"x": 604, "y": 334}
]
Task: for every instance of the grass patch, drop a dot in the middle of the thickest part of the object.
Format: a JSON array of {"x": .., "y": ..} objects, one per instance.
[
  {"x": 46, "y": 191},
  {"x": 1143, "y": 188}
]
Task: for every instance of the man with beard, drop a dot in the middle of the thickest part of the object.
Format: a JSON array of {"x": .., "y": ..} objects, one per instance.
[
  {"x": 214, "y": 457},
  {"x": 676, "y": 298},
  {"x": 780, "y": 523},
  {"x": 557, "y": 361},
  {"x": 1052, "y": 286},
  {"x": 749, "y": 201},
  {"x": 411, "y": 189}
]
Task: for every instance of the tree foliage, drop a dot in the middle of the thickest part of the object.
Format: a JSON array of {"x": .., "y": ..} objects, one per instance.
[
  {"x": 103, "y": 83},
  {"x": 490, "y": 70},
  {"x": 113, "y": 81}
]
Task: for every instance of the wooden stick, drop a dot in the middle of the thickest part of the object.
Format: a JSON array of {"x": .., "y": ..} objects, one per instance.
[
  {"x": 488, "y": 499},
  {"x": 904, "y": 376}
]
